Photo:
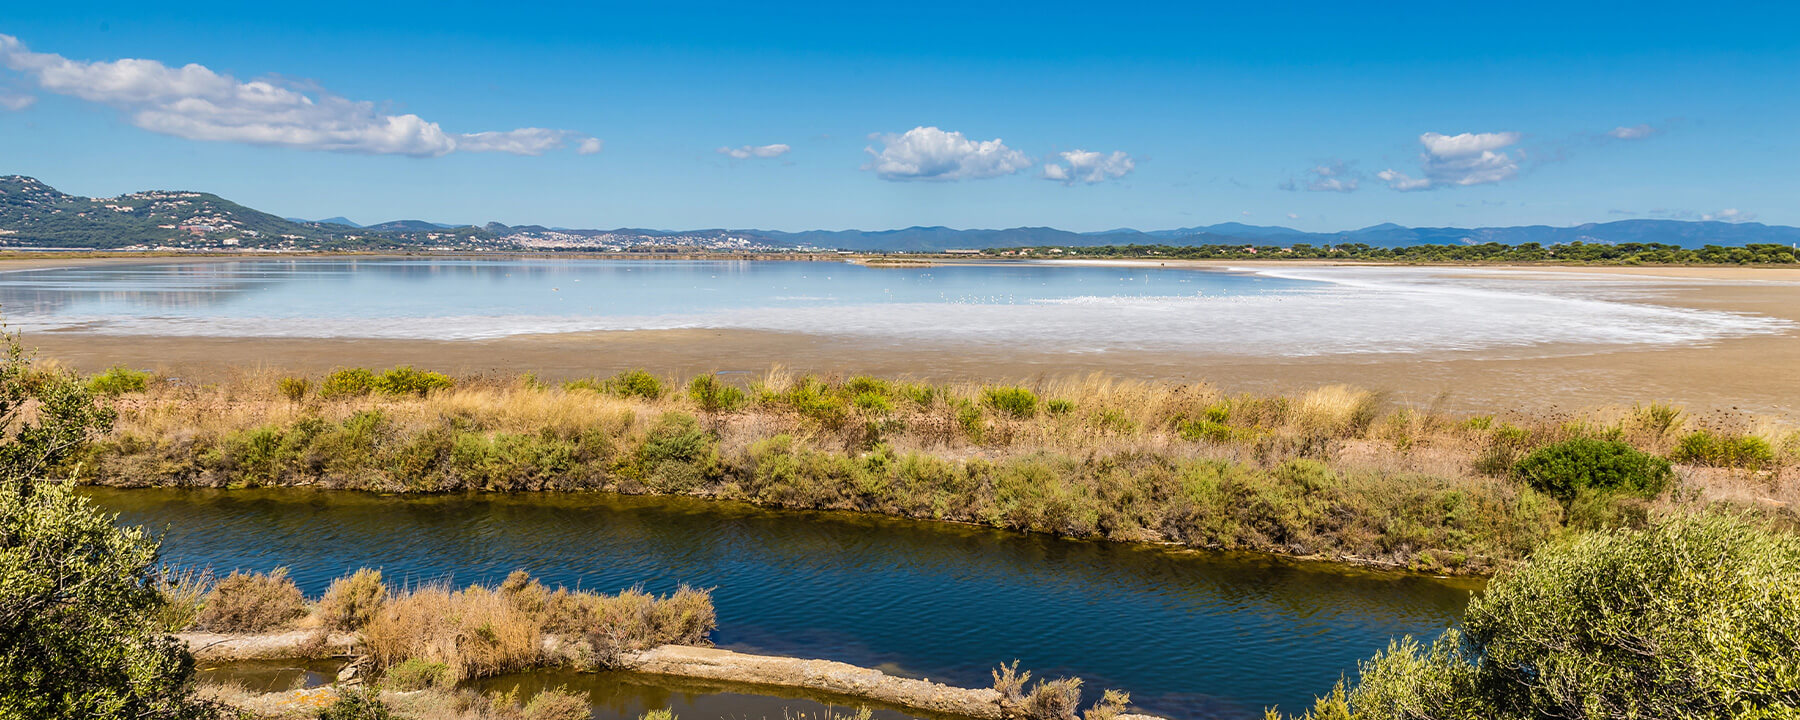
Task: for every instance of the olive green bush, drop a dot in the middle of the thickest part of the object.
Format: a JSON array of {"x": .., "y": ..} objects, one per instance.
[
  {"x": 81, "y": 631},
  {"x": 407, "y": 380},
  {"x": 714, "y": 396},
  {"x": 1704, "y": 447},
  {"x": 1563, "y": 470},
  {"x": 1693, "y": 617},
  {"x": 348, "y": 382},
  {"x": 119, "y": 380}
]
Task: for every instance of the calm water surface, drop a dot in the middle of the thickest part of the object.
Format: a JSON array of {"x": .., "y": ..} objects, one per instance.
[
  {"x": 1272, "y": 312},
  {"x": 1190, "y": 635}
]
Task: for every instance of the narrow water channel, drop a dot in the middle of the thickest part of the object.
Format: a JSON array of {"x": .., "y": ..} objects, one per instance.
[{"x": 1191, "y": 635}]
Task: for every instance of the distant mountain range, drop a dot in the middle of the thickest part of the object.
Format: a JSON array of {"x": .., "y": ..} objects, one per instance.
[{"x": 33, "y": 214}]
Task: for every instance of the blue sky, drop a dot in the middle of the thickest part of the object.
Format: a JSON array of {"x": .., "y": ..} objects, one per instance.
[{"x": 1105, "y": 115}]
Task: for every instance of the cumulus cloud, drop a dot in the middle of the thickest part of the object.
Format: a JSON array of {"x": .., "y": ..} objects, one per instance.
[
  {"x": 197, "y": 103},
  {"x": 1327, "y": 177},
  {"x": 1634, "y": 132},
  {"x": 1089, "y": 167},
  {"x": 755, "y": 151},
  {"x": 927, "y": 153},
  {"x": 15, "y": 101},
  {"x": 1459, "y": 160},
  {"x": 589, "y": 146}
]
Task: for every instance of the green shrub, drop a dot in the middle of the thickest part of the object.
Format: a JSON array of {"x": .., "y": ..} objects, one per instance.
[
  {"x": 1208, "y": 430},
  {"x": 406, "y": 380},
  {"x": 351, "y": 602},
  {"x": 1015, "y": 401},
  {"x": 252, "y": 602},
  {"x": 972, "y": 423},
  {"x": 357, "y": 704},
  {"x": 714, "y": 396},
  {"x": 1564, "y": 469},
  {"x": 677, "y": 455},
  {"x": 119, "y": 380},
  {"x": 862, "y": 384},
  {"x": 1690, "y": 618},
  {"x": 1703, "y": 447},
  {"x": 348, "y": 382},
  {"x": 293, "y": 388},
  {"x": 1059, "y": 406},
  {"x": 558, "y": 703},
  {"x": 872, "y": 402},
  {"x": 415, "y": 674},
  {"x": 635, "y": 383}
]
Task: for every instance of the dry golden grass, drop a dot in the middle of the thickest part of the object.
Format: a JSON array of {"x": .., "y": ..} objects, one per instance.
[
  {"x": 1045, "y": 456},
  {"x": 474, "y": 632},
  {"x": 480, "y": 632}
]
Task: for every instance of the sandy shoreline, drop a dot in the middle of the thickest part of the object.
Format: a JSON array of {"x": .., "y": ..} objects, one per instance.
[{"x": 1752, "y": 374}]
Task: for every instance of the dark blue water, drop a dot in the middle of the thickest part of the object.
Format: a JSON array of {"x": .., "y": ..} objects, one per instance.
[{"x": 1189, "y": 634}]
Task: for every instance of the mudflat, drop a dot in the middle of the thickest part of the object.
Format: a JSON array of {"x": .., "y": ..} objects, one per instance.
[{"x": 1752, "y": 374}]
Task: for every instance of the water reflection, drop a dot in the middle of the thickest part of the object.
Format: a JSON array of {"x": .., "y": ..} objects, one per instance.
[{"x": 1190, "y": 634}]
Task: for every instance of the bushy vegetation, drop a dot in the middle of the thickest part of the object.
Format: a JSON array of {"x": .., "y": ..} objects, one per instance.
[
  {"x": 715, "y": 396},
  {"x": 406, "y": 380},
  {"x": 1565, "y": 469},
  {"x": 293, "y": 388},
  {"x": 348, "y": 382},
  {"x": 1705, "y": 447},
  {"x": 119, "y": 380},
  {"x": 437, "y": 635},
  {"x": 416, "y": 674},
  {"x": 628, "y": 384},
  {"x": 81, "y": 623},
  {"x": 251, "y": 602},
  {"x": 357, "y": 382},
  {"x": 1580, "y": 253},
  {"x": 1692, "y": 617},
  {"x": 1333, "y": 471},
  {"x": 354, "y": 703},
  {"x": 351, "y": 602}
]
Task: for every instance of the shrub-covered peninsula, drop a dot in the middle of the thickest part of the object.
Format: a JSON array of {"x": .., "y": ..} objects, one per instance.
[{"x": 1334, "y": 472}]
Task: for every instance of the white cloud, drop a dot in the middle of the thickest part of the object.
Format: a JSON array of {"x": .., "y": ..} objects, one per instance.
[
  {"x": 1331, "y": 177},
  {"x": 196, "y": 103},
  {"x": 1293, "y": 216},
  {"x": 927, "y": 153},
  {"x": 1634, "y": 132},
  {"x": 1401, "y": 181},
  {"x": 1089, "y": 167},
  {"x": 589, "y": 146},
  {"x": 1459, "y": 160},
  {"x": 15, "y": 101},
  {"x": 755, "y": 151},
  {"x": 1729, "y": 215},
  {"x": 524, "y": 141}
]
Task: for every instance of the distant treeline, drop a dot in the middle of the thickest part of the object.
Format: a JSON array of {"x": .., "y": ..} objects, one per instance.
[{"x": 1575, "y": 252}]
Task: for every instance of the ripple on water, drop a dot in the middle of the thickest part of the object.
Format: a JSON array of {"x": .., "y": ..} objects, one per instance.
[{"x": 1190, "y": 634}]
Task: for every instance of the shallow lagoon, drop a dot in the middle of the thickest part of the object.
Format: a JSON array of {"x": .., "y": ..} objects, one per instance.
[{"x": 1082, "y": 308}]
